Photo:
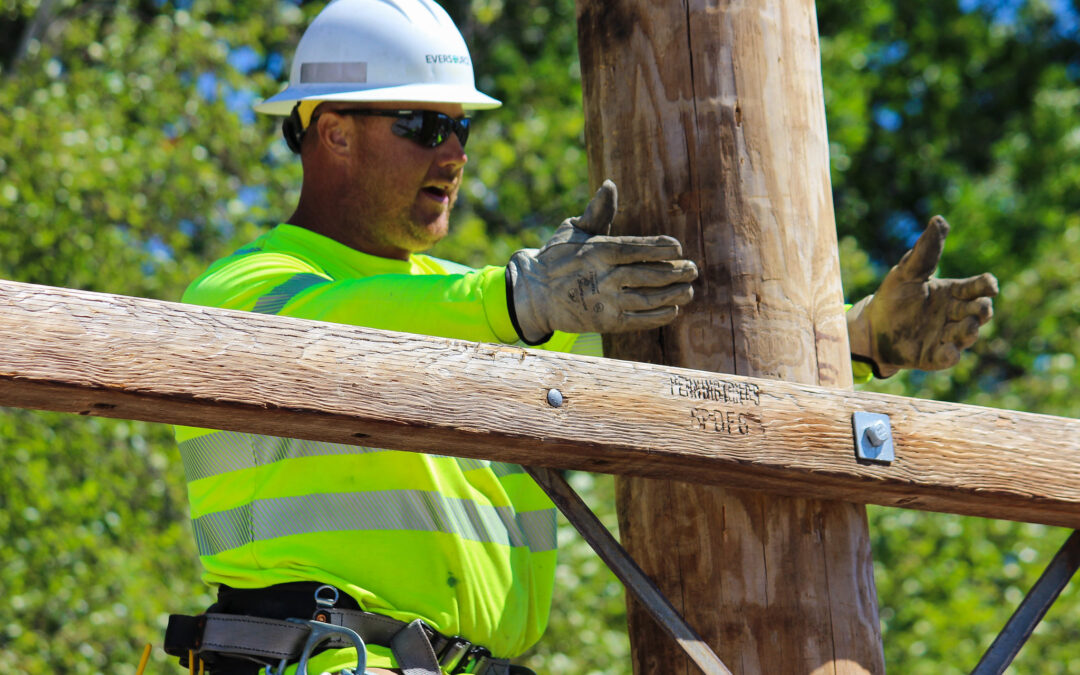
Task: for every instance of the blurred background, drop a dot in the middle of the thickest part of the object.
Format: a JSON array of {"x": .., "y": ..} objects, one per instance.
[{"x": 130, "y": 159}]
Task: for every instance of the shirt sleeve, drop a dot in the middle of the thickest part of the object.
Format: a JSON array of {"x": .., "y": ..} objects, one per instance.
[
  {"x": 467, "y": 306},
  {"x": 861, "y": 372}
]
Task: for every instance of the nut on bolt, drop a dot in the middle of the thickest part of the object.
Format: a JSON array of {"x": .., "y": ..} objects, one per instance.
[{"x": 877, "y": 433}]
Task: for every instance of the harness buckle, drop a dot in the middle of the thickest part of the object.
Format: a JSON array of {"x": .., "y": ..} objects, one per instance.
[
  {"x": 473, "y": 656},
  {"x": 320, "y": 633},
  {"x": 455, "y": 649}
]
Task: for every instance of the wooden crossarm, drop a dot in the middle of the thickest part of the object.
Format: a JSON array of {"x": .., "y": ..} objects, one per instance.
[{"x": 116, "y": 356}]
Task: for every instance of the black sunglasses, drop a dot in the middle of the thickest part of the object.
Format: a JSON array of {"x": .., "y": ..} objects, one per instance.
[{"x": 424, "y": 127}]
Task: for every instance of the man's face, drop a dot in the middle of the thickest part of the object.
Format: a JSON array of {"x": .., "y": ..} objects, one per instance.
[{"x": 400, "y": 193}]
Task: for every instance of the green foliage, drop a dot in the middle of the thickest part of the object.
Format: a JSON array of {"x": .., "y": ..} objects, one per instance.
[
  {"x": 948, "y": 584},
  {"x": 527, "y": 170},
  {"x": 935, "y": 110},
  {"x": 127, "y": 162},
  {"x": 587, "y": 633},
  {"x": 97, "y": 549},
  {"x": 111, "y": 159},
  {"x": 116, "y": 175}
]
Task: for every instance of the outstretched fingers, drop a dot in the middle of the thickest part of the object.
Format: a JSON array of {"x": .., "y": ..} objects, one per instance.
[
  {"x": 955, "y": 338},
  {"x": 653, "y": 274},
  {"x": 648, "y": 299},
  {"x": 982, "y": 286},
  {"x": 944, "y": 355},
  {"x": 627, "y": 250},
  {"x": 649, "y": 319},
  {"x": 961, "y": 333},
  {"x": 982, "y": 309}
]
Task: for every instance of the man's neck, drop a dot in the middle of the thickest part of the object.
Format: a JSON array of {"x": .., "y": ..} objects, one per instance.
[{"x": 329, "y": 223}]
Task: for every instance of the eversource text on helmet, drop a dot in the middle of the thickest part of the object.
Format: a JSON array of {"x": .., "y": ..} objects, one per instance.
[{"x": 449, "y": 58}]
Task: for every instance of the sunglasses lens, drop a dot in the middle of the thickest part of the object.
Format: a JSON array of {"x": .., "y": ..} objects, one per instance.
[
  {"x": 411, "y": 127},
  {"x": 431, "y": 129},
  {"x": 461, "y": 128}
]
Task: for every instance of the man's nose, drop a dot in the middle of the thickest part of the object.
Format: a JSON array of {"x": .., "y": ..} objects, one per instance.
[{"x": 451, "y": 153}]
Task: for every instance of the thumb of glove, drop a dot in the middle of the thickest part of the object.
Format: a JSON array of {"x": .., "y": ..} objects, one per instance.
[
  {"x": 600, "y": 211},
  {"x": 919, "y": 263}
]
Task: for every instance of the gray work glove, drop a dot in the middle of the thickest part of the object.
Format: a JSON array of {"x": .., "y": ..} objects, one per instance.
[
  {"x": 584, "y": 281},
  {"x": 913, "y": 321}
]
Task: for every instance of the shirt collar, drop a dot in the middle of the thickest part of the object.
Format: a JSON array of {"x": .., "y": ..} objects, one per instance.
[{"x": 337, "y": 259}]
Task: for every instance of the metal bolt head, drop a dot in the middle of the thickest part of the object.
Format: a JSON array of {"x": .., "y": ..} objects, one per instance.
[
  {"x": 877, "y": 433},
  {"x": 554, "y": 398}
]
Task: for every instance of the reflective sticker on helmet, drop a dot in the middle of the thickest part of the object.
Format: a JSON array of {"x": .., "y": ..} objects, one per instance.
[{"x": 330, "y": 72}]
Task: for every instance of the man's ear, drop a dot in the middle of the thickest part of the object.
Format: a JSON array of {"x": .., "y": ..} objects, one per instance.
[{"x": 335, "y": 133}]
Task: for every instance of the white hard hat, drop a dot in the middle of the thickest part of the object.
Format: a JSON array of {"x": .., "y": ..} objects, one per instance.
[{"x": 381, "y": 50}]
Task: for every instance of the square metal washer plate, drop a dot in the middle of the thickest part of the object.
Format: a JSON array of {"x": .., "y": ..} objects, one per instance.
[{"x": 869, "y": 427}]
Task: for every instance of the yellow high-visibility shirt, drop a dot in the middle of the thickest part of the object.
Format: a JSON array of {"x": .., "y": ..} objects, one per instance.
[{"x": 466, "y": 545}]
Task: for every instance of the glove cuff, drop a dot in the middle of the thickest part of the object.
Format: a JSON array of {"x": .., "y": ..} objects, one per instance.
[
  {"x": 861, "y": 338},
  {"x": 512, "y": 275},
  {"x": 873, "y": 366}
]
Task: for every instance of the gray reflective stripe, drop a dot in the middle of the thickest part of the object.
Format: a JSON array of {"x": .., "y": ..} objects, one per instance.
[
  {"x": 221, "y": 531},
  {"x": 408, "y": 510},
  {"x": 588, "y": 344},
  {"x": 272, "y": 302},
  {"x": 333, "y": 71},
  {"x": 539, "y": 529},
  {"x": 473, "y": 464},
  {"x": 500, "y": 469},
  {"x": 224, "y": 451}
]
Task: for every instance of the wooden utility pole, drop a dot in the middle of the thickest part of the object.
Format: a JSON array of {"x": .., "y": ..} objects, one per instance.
[{"x": 710, "y": 118}]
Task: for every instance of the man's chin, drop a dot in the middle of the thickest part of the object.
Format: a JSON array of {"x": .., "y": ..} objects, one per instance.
[{"x": 427, "y": 235}]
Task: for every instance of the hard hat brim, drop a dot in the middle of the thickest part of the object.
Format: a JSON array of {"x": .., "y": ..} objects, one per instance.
[{"x": 283, "y": 102}]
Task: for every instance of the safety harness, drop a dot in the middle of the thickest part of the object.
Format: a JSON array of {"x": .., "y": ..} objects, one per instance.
[{"x": 251, "y": 631}]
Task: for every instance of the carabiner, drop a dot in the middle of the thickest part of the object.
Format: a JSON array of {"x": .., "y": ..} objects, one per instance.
[{"x": 320, "y": 633}]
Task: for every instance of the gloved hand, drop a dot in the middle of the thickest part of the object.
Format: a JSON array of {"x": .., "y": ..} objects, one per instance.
[
  {"x": 584, "y": 281},
  {"x": 913, "y": 321}
]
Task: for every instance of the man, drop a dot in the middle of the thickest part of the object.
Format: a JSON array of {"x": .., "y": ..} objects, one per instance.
[
  {"x": 435, "y": 563},
  {"x": 375, "y": 108}
]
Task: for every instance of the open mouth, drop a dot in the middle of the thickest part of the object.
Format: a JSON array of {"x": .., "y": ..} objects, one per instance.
[{"x": 436, "y": 192}]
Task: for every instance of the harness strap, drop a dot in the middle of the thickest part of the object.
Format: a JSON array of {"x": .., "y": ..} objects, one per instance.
[
  {"x": 253, "y": 636},
  {"x": 419, "y": 649},
  {"x": 413, "y": 650}
]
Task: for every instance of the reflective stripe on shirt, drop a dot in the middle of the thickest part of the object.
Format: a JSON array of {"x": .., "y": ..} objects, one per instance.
[
  {"x": 221, "y": 452},
  {"x": 409, "y": 510},
  {"x": 275, "y": 300}
]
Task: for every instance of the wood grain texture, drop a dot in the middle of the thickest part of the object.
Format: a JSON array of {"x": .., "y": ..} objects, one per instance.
[
  {"x": 132, "y": 358},
  {"x": 710, "y": 118}
]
